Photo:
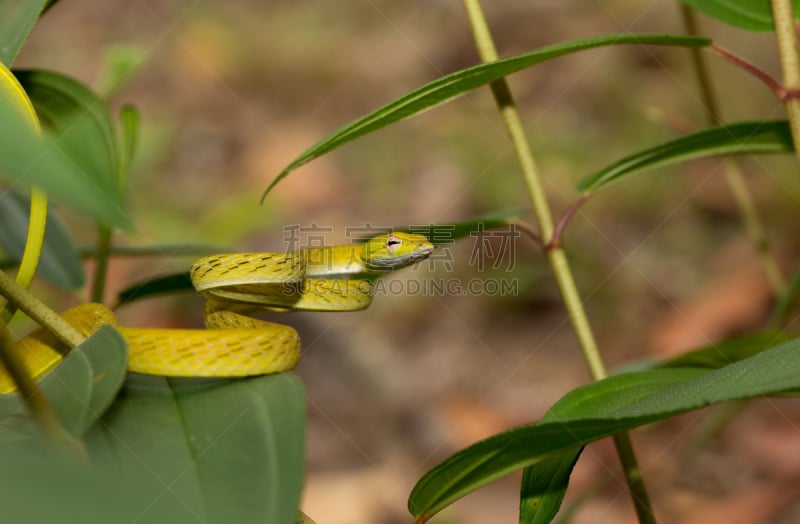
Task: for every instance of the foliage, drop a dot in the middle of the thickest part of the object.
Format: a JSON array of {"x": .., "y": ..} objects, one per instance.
[{"x": 233, "y": 450}]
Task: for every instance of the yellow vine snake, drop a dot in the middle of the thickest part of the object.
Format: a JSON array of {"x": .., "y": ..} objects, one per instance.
[{"x": 332, "y": 278}]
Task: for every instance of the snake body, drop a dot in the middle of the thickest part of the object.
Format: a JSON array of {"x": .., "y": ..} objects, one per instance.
[{"x": 333, "y": 278}]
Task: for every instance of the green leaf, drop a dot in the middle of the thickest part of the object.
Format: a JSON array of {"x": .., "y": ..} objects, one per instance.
[
  {"x": 80, "y": 388},
  {"x": 601, "y": 409},
  {"x": 732, "y": 139},
  {"x": 27, "y": 159},
  {"x": 129, "y": 131},
  {"x": 19, "y": 17},
  {"x": 456, "y": 84},
  {"x": 544, "y": 484},
  {"x": 77, "y": 120},
  {"x": 219, "y": 451},
  {"x": 40, "y": 485},
  {"x": 120, "y": 64},
  {"x": 543, "y": 487},
  {"x": 442, "y": 234},
  {"x": 60, "y": 263},
  {"x": 715, "y": 356},
  {"x": 158, "y": 286},
  {"x": 753, "y": 15}
]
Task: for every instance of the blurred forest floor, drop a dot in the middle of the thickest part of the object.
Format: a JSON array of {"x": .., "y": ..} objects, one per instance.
[{"x": 230, "y": 92}]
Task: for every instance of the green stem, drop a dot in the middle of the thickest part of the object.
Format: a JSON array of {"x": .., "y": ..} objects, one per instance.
[
  {"x": 20, "y": 298},
  {"x": 31, "y": 394},
  {"x": 783, "y": 16},
  {"x": 555, "y": 254},
  {"x": 733, "y": 175},
  {"x": 101, "y": 263}
]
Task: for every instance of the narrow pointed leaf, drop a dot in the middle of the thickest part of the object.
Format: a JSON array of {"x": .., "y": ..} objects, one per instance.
[
  {"x": 441, "y": 234},
  {"x": 80, "y": 388},
  {"x": 19, "y": 17},
  {"x": 227, "y": 451},
  {"x": 456, "y": 84},
  {"x": 717, "y": 355},
  {"x": 732, "y": 139},
  {"x": 601, "y": 409},
  {"x": 545, "y": 483},
  {"x": 129, "y": 139},
  {"x": 174, "y": 283},
  {"x": 753, "y": 15}
]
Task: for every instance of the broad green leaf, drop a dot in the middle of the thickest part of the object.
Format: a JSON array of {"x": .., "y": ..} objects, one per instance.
[
  {"x": 456, "y": 84},
  {"x": 219, "y": 451},
  {"x": 80, "y": 388},
  {"x": 59, "y": 263},
  {"x": 26, "y": 159},
  {"x": 77, "y": 120},
  {"x": 732, "y": 139},
  {"x": 601, "y": 409},
  {"x": 753, "y": 15},
  {"x": 19, "y": 17},
  {"x": 174, "y": 283},
  {"x": 40, "y": 485}
]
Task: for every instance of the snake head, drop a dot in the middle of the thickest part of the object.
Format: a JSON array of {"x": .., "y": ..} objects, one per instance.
[{"x": 395, "y": 250}]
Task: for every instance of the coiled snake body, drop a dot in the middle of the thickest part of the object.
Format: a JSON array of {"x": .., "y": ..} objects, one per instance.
[{"x": 333, "y": 278}]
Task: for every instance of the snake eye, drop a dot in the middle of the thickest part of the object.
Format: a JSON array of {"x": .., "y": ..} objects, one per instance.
[{"x": 392, "y": 242}]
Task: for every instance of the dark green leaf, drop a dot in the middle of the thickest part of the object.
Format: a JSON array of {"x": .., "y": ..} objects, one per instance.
[
  {"x": 544, "y": 484},
  {"x": 26, "y": 159},
  {"x": 19, "y": 17},
  {"x": 157, "y": 286},
  {"x": 77, "y": 120},
  {"x": 616, "y": 404},
  {"x": 40, "y": 485},
  {"x": 442, "y": 234},
  {"x": 726, "y": 352},
  {"x": 456, "y": 84},
  {"x": 753, "y": 15},
  {"x": 226, "y": 451},
  {"x": 79, "y": 389},
  {"x": 543, "y": 487},
  {"x": 732, "y": 139},
  {"x": 60, "y": 263}
]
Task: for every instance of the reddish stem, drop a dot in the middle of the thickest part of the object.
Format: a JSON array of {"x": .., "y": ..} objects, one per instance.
[
  {"x": 555, "y": 241},
  {"x": 780, "y": 91}
]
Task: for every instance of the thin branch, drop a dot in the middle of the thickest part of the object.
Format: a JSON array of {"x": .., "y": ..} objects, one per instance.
[
  {"x": 555, "y": 242},
  {"x": 753, "y": 69}
]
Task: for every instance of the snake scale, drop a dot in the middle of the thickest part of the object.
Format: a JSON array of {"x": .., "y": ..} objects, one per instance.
[{"x": 333, "y": 278}]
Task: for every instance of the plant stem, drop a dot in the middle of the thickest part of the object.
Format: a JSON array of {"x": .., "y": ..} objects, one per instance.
[
  {"x": 101, "y": 263},
  {"x": 20, "y": 298},
  {"x": 31, "y": 394},
  {"x": 736, "y": 181},
  {"x": 555, "y": 254},
  {"x": 790, "y": 65}
]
